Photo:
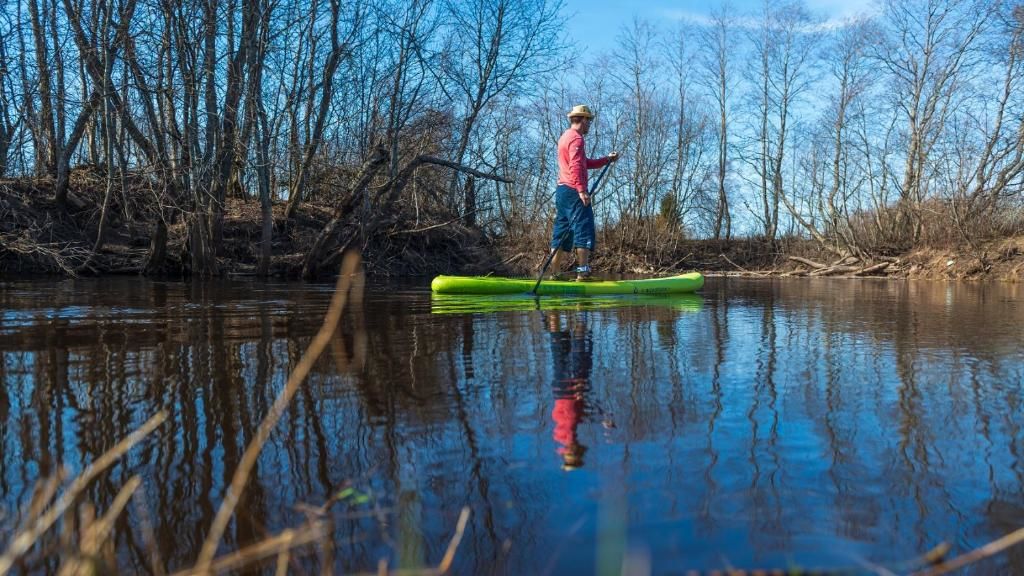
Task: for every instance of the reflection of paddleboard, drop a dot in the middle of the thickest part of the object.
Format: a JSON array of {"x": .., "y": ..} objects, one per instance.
[
  {"x": 471, "y": 304},
  {"x": 496, "y": 285}
]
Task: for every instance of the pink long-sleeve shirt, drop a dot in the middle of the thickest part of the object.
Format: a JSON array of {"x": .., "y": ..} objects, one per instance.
[{"x": 573, "y": 162}]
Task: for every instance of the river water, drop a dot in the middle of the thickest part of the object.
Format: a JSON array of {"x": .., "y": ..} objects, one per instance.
[{"x": 758, "y": 424}]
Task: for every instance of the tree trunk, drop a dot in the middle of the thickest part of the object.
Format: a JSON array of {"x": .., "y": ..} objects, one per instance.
[
  {"x": 226, "y": 137},
  {"x": 156, "y": 260},
  {"x": 470, "y": 208},
  {"x": 338, "y": 49},
  {"x": 266, "y": 229},
  {"x": 259, "y": 128},
  {"x": 63, "y": 161},
  {"x": 7, "y": 127},
  {"x": 202, "y": 257},
  {"x": 46, "y": 151}
]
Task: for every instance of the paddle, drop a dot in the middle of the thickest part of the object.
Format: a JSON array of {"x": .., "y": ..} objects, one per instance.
[{"x": 551, "y": 254}]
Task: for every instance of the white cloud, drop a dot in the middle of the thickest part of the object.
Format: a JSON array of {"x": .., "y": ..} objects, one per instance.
[
  {"x": 688, "y": 17},
  {"x": 843, "y": 9},
  {"x": 836, "y": 13}
]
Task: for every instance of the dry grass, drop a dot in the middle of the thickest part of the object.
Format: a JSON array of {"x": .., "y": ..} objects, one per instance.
[{"x": 46, "y": 508}]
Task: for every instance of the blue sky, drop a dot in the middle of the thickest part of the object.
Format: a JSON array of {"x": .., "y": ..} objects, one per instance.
[{"x": 597, "y": 22}]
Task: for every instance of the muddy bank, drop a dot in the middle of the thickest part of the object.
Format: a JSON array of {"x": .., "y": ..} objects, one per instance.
[
  {"x": 37, "y": 237},
  {"x": 1001, "y": 260}
]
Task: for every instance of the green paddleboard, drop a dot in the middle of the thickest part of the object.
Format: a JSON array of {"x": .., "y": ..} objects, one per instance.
[{"x": 482, "y": 285}]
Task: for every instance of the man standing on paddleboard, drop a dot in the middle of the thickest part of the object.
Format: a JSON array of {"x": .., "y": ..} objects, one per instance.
[{"x": 574, "y": 216}]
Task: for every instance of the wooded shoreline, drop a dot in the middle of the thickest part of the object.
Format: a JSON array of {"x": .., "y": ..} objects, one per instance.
[
  {"x": 39, "y": 238},
  {"x": 212, "y": 138}
]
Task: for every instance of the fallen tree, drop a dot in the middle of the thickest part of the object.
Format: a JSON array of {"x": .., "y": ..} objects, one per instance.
[{"x": 334, "y": 239}]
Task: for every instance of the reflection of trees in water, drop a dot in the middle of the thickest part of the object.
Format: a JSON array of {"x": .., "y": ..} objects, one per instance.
[
  {"x": 919, "y": 370},
  {"x": 479, "y": 479},
  {"x": 767, "y": 503},
  {"x": 889, "y": 413},
  {"x": 913, "y": 440},
  {"x": 879, "y": 408},
  {"x": 1001, "y": 431},
  {"x": 438, "y": 411},
  {"x": 719, "y": 336},
  {"x": 94, "y": 379},
  {"x": 857, "y": 513}
]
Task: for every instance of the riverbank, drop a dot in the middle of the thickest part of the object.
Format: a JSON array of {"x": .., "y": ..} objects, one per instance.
[
  {"x": 37, "y": 237},
  {"x": 1001, "y": 260}
]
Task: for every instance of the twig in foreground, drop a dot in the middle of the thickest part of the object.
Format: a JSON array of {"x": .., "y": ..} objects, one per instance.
[
  {"x": 349, "y": 268},
  {"x": 990, "y": 549},
  {"x": 449, "y": 554},
  {"x": 23, "y": 541},
  {"x": 96, "y": 534},
  {"x": 279, "y": 545}
]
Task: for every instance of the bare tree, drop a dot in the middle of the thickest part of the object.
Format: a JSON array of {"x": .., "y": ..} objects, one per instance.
[
  {"x": 338, "y": 49},
  {"x": 690, "y": 125},
  {"x": 717, "y": 40},
  {"x": 984, "y": 180},
  {"x": 227, "y": 136},
  {"x": 493, "y": 46},
  {"x": 99, "y": 55},
  {"x": 782, "y": 45},
  {"x": 46, "y": 142},
  {"x": 928, "y": 47},
  {"x": 414, "y": 29},
  {"x": 850, "y": 69},
  {"x": 648, "y": 138},
  {"x": 10, "y": 121},
  {"x": 259, "y": 130}
]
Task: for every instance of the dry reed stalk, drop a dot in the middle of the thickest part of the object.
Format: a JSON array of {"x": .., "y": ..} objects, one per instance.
[
  {"x": 349, "y": 269},
  {"x": 96, "y": 533},
  {"x": 990, "y": 549},
  {"x": 44, "y": 492},
  {"x": 453, "y": 546},
  {"x": 282, "y": 561},
  {"x": 278, "y": 545},
  {"x": 37, "y": 526}
]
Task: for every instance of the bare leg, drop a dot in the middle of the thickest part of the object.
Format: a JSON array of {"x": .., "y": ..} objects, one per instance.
[
  {"x": 582, "y": 259},
  {"x": 558, "y": 261},
  {"x": 582, "y": 256}
]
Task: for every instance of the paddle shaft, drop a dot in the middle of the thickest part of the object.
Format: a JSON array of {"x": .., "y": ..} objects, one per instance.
[{"x": 551, "y": 254}]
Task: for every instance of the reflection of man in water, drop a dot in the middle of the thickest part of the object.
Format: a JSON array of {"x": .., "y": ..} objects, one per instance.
[{"x": 571, "y": 356}]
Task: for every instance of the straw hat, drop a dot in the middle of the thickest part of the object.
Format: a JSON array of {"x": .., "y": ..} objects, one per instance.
[{"x": 580, "y": 110}]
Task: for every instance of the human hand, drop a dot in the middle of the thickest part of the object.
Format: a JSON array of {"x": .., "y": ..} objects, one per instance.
[
  {"x": 585, "y": 198},
  {"x": 613, "y": 157}
]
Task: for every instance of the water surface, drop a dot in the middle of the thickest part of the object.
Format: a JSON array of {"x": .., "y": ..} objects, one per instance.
[{"x": 758, "y": 424}]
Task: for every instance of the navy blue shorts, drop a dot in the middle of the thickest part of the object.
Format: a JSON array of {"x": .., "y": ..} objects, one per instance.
[{"x": 574, "y": 222}]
